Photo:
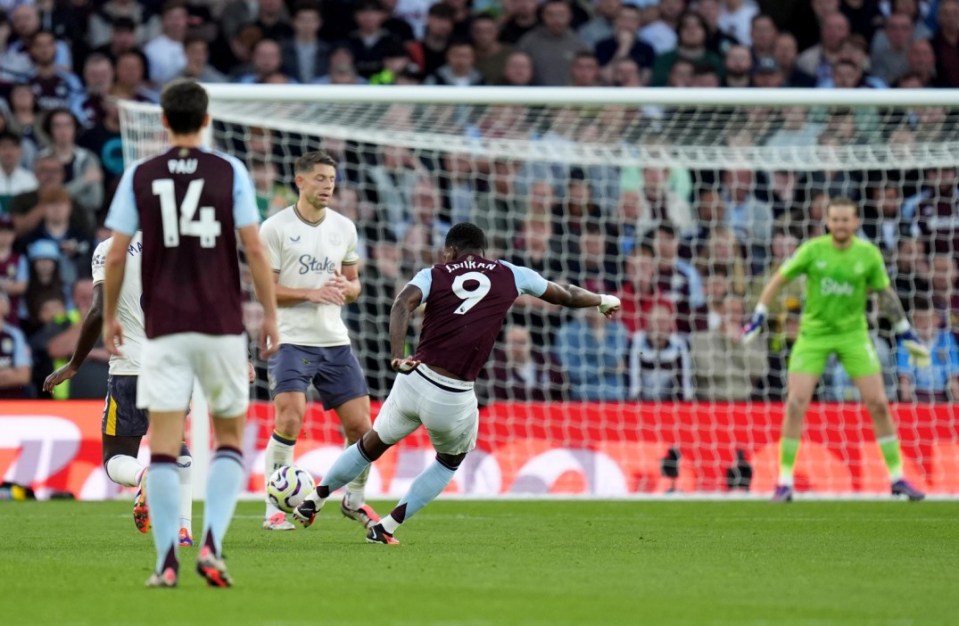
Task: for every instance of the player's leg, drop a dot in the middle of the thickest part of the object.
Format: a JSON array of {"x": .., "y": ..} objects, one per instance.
[
  {"x": 806, "y": 364},
  {"x": 220, "y": 365},
  {"x": 184, "y": 463},
  {"x": 123, "y": 426},
  {"x": 863, "y": 366},
  {"x": 452, "y": 420},
  {"x": 396, "y": 420},
  {"x": 290, "y": 370},
  {"x": 164, "y": 388},
  {"x": 342, "y": 387}
]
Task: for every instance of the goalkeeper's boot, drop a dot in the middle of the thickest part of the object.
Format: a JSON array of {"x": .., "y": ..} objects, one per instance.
[
  {"x": 212, "y": 568},
  {"x": 185, "y": 539},
  {"x": 278, "y": 521},
  {"x": 783, "y": 493},
  {"x": 305, "y": 514},
  {"x": 141, "y": 512},
  {"x": 903, "y": 487},
  {"x": 364, "y": 515},
  {"x": 377, "y": 534}
]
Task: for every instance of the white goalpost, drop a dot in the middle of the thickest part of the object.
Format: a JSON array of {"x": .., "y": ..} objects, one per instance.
[{"x": 683, "y": 201}]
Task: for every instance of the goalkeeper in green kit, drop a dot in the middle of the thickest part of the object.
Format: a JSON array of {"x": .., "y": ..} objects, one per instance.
[{"x": 841, "y": 270}]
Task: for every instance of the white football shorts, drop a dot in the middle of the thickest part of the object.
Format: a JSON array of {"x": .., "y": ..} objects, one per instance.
[
  {"x": 445, "y": 406},
  {"x": 219, "y": 363}
]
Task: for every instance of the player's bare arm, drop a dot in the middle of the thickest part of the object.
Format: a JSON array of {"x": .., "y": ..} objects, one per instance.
[
  {"x": 403, "y": 306},
  {"x": 332, "y": 292},
  {"x": 90, "y": 331},
  {"x": 262, "y": 284},
  {"x": 349, "y": 279},
  {"x": 574, "y": 297},
  {"x": 891, "y": 308},
  {"x": 115, "y": 267}
]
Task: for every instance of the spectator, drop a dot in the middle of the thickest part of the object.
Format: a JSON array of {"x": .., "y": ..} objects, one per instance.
[
  {"x": 574, "y": 209},
  {"x": 624, "y": 43},
  {"x": 15, "y": 359},
  {"x": 83, "y": 175},
  {"x": 523, "y": 372},
  {"x": 593, "y": 264},
  {"x": 818, "y": 60},
  {"x": 639, "y": 292},
  {"x": 43, "y": 284},
  {"x": 106, "y": 144},
  {"x": 14, "y": 178},
  {"x": 676, "y": 279},
  {"x": 763, "y": 33},
  {"x": 520, "y": 20},
  {"x": 53, "y": 86},
  {"x": 429, "y": 53},
  {"x": 518, "y": 71},
  {"x": 165, "y": 52},
  {"x": 945, "y": 288},
  {"x": 54, "y": 317},
  {"x": 662, "y": 203},
  {"x": 601, "y": 25},
  {"x": 76, "y": 246},
  {"x": 735, "y": 19},
  {"x": 16, "y": 63},
  {"x": 890, "y": 53},
  {"x": 267, "y": 59},
  {"x": 710, "y": 213},
  {"x": 342, "y": 70},
  {"x": 584, "y": 70},
  {"x": 750, "y": 217},
  {"x": 370, "y": 41},
  {"x": 767, "y": 75},
  {"x": 691, "y": 47},
  {"x": 22, "y": 121},
  {"x": 123, "y": 38},
  {"x": 661, "y": 23},
  {"x": 459, "y": 70},
  {"x": 660, "y": 368},
  {"x": 937, "y": 213},
  {"x": 592, "y": 351},
  {"x": 912, "y": 274},
  {"x": 723, "y": 254},
  {"x": 882, "y": 217},
  {"x": 717, "y": 39},
  {"x": 129, "y": 15},
  {"x": 939, "y": 381},
  {"x": 491, "y": 54},
  {"x": 197, "y": 52},
  {"x": 786, "y": 54},
  {"x": 98, "y": 76},
  {"x": 390, "y": 186},
  {"x": 945, "y": 44},
  {"x": 24, "y": 207},
  {"x": 553, "y": 45},
  {"x": 397, "y": 24},
  {"x": 796, "y": 131},
  {"x": 738, "y": 65},
  {"x": 131, "y": 78},
  {"x": 740, "y": 372},
  {"x": 305, "y": 55},
  {"x": 14, "y": 270}
]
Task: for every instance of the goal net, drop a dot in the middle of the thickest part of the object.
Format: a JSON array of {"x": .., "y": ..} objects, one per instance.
[{"x": 682, "y": 202}]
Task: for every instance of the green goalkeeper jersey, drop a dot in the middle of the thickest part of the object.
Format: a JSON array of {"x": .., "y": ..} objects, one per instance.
[{"x": 837, "y": 284}]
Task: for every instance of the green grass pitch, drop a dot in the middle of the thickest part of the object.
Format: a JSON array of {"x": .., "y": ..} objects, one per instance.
[{"x": 505, "y": 562}]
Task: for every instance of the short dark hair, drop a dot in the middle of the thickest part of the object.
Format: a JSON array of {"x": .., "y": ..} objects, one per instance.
[
  {"x": 184, "y": 103},
  {"x": 308, "y": 160},
  {"x": 9, "y": 135},
  {"x": 842, "y": 202},
  {"x": 465, "y": 236},
  {"x": 47, "y": 124}
]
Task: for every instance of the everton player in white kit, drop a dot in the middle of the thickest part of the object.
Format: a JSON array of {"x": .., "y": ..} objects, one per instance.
[
  {"x": 190, "y": 203},
  {"x": 312, "y": 249},
  {"x": 123, "y": 424},
  {"x": 467, "y": 299}
]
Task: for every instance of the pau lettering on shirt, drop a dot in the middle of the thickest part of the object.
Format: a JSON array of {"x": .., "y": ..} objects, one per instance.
[
  {"x": 310, "y": 264},
  {"x": 181, "y": 166}
]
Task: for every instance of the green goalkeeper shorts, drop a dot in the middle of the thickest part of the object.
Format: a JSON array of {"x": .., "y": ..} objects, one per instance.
[{"x": 856, "y": 352}]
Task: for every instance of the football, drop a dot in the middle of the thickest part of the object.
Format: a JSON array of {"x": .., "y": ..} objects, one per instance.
[{"x": 288, "y": 486}]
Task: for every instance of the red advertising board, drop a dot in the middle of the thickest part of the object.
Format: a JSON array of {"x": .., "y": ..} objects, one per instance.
[{"x": 577, "y": 448}]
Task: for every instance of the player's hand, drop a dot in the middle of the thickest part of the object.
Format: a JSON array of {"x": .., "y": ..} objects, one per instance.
[
  {"x": 404, "y": 365},
  {"x": 62, "y": 373},
  {"x": 269, "y": 337},
  {"x": 250, "y": 372},
  {"x": 919, "y": 356},
  {"x": 608, "y": 305},
  {"x": 330, "y": 293},
  {"x": 754, "y": 326},
  {"x": 112, "y": 336}
]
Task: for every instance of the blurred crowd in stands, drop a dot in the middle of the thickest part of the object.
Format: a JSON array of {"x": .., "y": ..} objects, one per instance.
[{"x": 686, "y": 250}]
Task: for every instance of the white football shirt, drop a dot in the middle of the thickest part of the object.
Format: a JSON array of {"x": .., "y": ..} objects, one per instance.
[
  {"x": 129, "y": 311},
  {"x": 306, "y": 256}
]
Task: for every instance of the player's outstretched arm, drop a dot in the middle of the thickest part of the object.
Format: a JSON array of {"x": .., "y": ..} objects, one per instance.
[
  {"x": 89, "y": 333},
  {"x": 114, "y": 269},
  {"x": 891, "y": 308},
  {"x": 754, "y": 326},
  {"x": 403, "y": 306},
  {"x": 574, "y": 297},
  {"x": 263, "y": 285}
]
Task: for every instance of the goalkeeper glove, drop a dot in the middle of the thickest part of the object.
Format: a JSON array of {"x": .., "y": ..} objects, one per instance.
[
  {"x": 918, "y": 353},
  {"x": 608, "y": 305},
  {"x": 755, "y": 325}
]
